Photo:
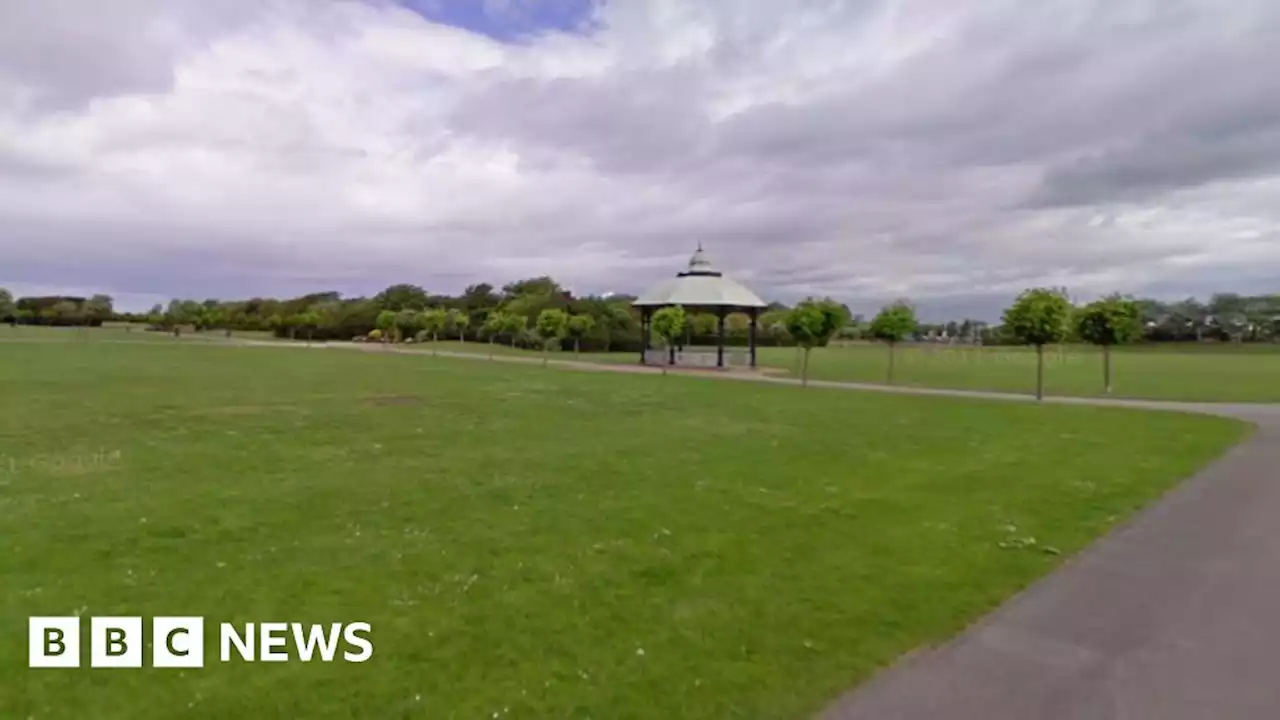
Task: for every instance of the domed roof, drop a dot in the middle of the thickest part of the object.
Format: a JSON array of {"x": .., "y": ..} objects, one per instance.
[
  {"x": 700, "y": 285},
  {"x": 699, "y": 264}
]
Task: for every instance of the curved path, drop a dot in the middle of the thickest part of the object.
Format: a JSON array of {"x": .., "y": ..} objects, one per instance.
[{"x": 1173, "y": 616}]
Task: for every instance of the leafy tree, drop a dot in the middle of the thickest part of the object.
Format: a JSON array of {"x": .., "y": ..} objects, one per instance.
[
  {"x": 1111, "y": 321},
  {"x": 515, "y": 325},
  {"x": 1039, "y": 317},
  {"x": 578, "y": 327},
  {"x": 386, "y": 322},
  {"x": 494, "y": 325},
  {"x": 479, "y": 297},
  {"x": 211, "y": 318},
  {"x": 458, "y": 321},
  {"x": 97, "y": 309},
  {"x": 408, "y": 322},
  {"x": 67, "y": 312},
  {"x": 434, "y": 321},
  {"x": 702, "y": 325},
  {"x": 309, "y": 320},
  {"x": 812, "y": 323},
  {"x": 402, "y": 297},
  {"x": 8, "y": 310},
  {"x": 550, "y": 327},
  {"x": 669, "y": 324},
  {"x": 893, "y": 324},
  {"x": 619, "y": 319}
]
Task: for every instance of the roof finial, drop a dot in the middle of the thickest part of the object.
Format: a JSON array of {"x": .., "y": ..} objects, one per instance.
[{"x": 699, "y": 246}]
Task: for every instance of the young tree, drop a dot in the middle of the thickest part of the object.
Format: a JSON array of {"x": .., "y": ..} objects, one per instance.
[
  {"x": 434, "y": 321},
  {"x": 812, "y": 323},
  {"x": 578, "y": 327},
  {"x": 309, "y": 320},
  {"x": 550, "y": 327},
  {"x": 459, "y": 321},
  {"x": 386, "y": 322},
  {"x": 494, "y": 325},
  {"x": 1039, "y": 317},
  {"x": 515, "y": 326},
  {"x": 669, "y": 324},
  {"x": 1113, "y": 320},
  {"x": 893, "y": 324}
]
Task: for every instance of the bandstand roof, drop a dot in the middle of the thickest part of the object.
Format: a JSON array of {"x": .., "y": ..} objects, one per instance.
[{"x": 700, "y": 285}]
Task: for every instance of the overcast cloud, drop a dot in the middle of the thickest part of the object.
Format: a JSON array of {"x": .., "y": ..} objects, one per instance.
[{"x": 952, "y": 151}]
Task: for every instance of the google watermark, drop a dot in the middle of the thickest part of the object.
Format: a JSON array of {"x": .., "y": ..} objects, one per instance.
[
  {"x": 178, "y": 642},
  {"x": 62, "y": 464}
]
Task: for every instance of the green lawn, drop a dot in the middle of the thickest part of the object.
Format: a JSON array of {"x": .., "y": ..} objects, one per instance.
[
  {"x": 1206, "y": 372},
  {"x": 528, "y": 542},
  {"x": 1229, "y": 374}
]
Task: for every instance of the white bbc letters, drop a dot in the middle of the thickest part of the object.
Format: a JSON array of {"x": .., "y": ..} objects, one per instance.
[
  {"x": 53, "y": 642},
  {"x": 115, "y": 642},
  {"x": 177, "y": 642}
]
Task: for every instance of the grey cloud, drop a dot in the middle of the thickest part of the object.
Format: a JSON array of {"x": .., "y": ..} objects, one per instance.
[
  {"x": 957, "y": 173},
  {"x": 69, "y": 51}
]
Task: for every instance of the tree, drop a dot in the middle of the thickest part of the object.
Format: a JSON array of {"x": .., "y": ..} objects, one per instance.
[
  {"x": 212, "y": 318},
  {"x": 893, "y": 324},
  {"x": 458, "y": 321},
  {"x": 434, "y": 321},
  {"x": 812, "y": 323},
  {"x": 1039, "y": 317},
  {"x": 494, "y": 325},
  {"x": 550, "y": 327},
  {"x": 309, "y": 320},
  {"x": 97, "y": 309},
  {"x": 386, "y": 322},
  {"x": 67, "y": 312},
  {"x": 669, "y": 324},
  {"x": 408, "y": 322},
  {"x": 515, "y": 325},
  {"x": 402, "y": 297},
  {"x": 8, "y": 310},
  {"x": 578, "y": 327},
  {"x": 1114, "y": 320}
]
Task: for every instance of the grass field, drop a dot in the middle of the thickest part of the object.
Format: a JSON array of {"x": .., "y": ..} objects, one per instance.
[
  {"x": 527, "y": 542},
  {"x": 1193, "y": 372},
  {"x": 1228, "y": 374}
]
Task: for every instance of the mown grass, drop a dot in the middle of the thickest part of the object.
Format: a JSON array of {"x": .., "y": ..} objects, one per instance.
[
  {"x": 1207, "y": 372},
  {"x": 528, "y": 542},
  {"x": 1222, "y": 374}
]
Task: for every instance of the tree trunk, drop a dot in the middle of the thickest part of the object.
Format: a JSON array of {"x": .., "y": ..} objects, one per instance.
[
  {"x": 575, "y": 348},
  {"x": 513, "y": 341},
  {"x": 435, "y": 338},
  {"x": 546, "y": 353},
  {"x": 309, "y": 335},
  {"x": 491, "y": 339},
  {"x": 1039, "y": 372},
  {"x": 1106, "y": 367},
  {"x": 804, "y": 369},
  {"x": 891, "y": 362}
]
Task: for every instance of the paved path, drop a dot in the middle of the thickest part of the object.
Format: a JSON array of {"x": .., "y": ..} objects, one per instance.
[{"x": 1174, "y": 616}]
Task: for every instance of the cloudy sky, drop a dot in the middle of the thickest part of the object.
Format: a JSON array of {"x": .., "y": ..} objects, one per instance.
[{"x": 952, "y": 151}]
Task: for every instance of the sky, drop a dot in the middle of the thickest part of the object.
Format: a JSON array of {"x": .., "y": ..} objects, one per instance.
[{"x": 953, "y": 152}]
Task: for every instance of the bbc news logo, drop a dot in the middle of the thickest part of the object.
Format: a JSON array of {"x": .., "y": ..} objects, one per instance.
[{"x": 178, "y": 642}]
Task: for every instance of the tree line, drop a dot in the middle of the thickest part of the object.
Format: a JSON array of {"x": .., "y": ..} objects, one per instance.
[{"x": 509, "y": 314}]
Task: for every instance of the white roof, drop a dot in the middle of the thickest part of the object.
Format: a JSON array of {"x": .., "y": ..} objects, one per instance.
[{"x": 700, "y": 285}]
